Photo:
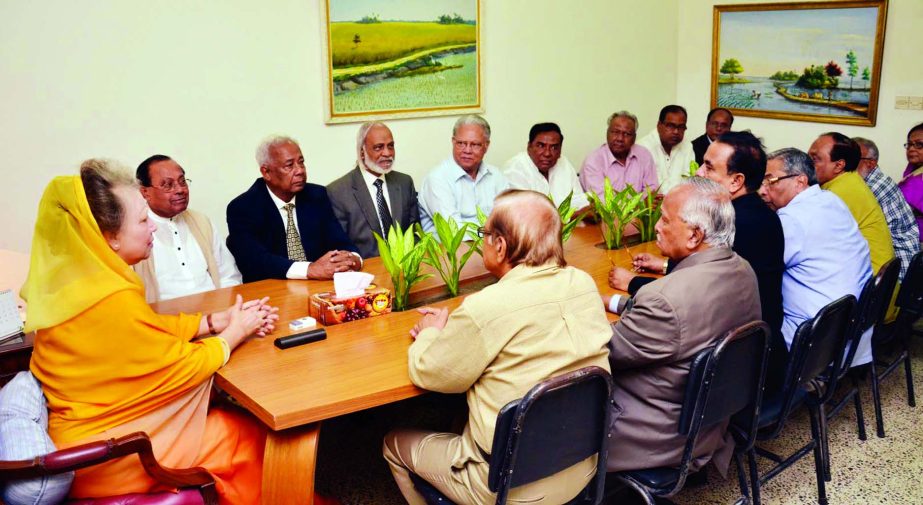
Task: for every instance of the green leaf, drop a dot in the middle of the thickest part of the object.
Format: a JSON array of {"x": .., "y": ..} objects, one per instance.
[{"x": 482, "y": 218}]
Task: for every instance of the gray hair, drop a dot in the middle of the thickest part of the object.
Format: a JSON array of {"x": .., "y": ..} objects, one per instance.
[
  {"x": 472, "y": 119},
  {"x": 624, "y": 113},
  {"x": 795, "y": 162},
  {"x": 869, "y": 146},
  {"x": 708, "y": 208},
  {"x": 362, "y": 135},
  {"x": 262, "y": 150}
]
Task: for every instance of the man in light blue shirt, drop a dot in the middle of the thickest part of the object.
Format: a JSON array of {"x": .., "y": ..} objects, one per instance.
[
  {"x": 826, "y": 257},
  {"x": 462, "y": 183}
]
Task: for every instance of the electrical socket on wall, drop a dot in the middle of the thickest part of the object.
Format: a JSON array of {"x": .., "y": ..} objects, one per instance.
[{"x": 908, "y": 102}]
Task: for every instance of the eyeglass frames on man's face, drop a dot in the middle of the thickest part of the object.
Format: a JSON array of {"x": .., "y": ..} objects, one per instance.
[
  {"x": 170, "y": 185},
  {"x": 769, "y": 181},
  {"x": 483, "y": 232},
  {"x": 462, "y": 145},
  {"x": 914, "y": 145}
]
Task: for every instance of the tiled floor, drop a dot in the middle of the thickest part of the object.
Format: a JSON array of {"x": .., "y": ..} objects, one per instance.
[{"x": 879, "y": 470}]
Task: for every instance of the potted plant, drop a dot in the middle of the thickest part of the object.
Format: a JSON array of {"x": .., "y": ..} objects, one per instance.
[
  {"x": 616, "y": 210},
  {"x": 402, "y": 254},
  {"x": 647, "y": 219},
  {"x": 569, "y": 217},
  {"x": 442, "y": 250}
]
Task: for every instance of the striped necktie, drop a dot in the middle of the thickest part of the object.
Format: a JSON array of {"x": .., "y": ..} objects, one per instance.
[{"x": 383, "y": 213}]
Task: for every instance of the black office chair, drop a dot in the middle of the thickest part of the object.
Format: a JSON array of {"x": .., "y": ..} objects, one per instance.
[
  {"x": 896, "y": 335},
  {"x": 870, "y": 313},
  {"x": 725, "y": 383},
  {"x": 557, "y": 424},
  {"x": 818, "y": 343}
]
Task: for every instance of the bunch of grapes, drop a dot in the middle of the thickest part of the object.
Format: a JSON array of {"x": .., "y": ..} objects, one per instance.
[{"x": 354, "y": 314}]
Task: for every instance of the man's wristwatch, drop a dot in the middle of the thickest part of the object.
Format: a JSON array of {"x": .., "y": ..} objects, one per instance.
[{"x": 666, "y": 264}]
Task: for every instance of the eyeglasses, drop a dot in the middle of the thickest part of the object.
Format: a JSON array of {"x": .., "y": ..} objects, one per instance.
[
  {"x": 461, "y": 144},
  {"x": 914, "y": 145},
  {"x": 170, "y": 185},
  {"x": 674, "y": 127},
  {"x": 769, "y": 181},
  {"x": 483, "y": 232}
]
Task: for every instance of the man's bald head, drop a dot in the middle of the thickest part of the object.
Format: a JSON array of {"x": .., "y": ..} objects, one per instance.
[{"x": 531, "y": 227}]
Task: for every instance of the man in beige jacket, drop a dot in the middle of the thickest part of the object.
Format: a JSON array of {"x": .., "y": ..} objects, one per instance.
[
  {"x": 711, "y": 291},
  {"x": 188, "y": 257},
  {"x": 542, "y": 319}
]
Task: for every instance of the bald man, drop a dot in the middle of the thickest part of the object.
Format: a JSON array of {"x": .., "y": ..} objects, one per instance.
[{"x": 540, "y": 320}]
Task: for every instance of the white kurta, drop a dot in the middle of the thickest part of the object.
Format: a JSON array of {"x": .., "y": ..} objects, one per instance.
[
  {"x": 562, "y": 179},
  {"x": 180, "y": 264}
]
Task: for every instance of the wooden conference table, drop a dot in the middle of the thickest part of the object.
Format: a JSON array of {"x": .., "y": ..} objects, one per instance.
[{"x": 362, "y": 364}]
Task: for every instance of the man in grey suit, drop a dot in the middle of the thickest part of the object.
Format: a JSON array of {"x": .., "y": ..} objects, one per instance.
[
  {"x": 711, "y": 291},
  {"x": 371, "y": 197}
]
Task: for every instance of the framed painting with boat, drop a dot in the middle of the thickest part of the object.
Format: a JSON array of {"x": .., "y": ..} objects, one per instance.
[
  {"x": 401, "y": 58},
  {"x": 803, "y": 61}
]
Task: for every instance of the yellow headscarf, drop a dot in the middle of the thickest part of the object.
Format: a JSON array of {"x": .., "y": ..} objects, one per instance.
[{"x": 72, "y": 266}]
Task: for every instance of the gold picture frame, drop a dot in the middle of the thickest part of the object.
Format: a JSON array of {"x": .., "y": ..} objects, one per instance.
[
  {"x": 799, "y": 61},
  {"x": 416, "y": 59}
]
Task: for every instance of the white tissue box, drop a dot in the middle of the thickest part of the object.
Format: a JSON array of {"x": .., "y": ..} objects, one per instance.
[{"x": 328, "y": 309}]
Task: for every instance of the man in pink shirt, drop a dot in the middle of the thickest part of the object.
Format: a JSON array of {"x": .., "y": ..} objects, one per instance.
[{"x": 619, "y": 159}]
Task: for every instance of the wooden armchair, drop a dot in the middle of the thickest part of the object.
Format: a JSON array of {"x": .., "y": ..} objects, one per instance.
[{"x": 196, "y": 485}]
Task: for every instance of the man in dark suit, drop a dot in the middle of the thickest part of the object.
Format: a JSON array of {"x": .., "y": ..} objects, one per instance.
[
  {"x": 711, "y": 291},
  {"x": 718, "y": 122},
  {"x": 371, "y": 197},
  {"x": 283, "y": 227},
  {"x": 737, "y": 161}
]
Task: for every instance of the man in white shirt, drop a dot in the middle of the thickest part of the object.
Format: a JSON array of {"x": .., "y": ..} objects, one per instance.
[
  {"x": 459, "y": 185},
  {"x": 188, "y": 256},
  {"x": 542, "y": 168},
  {"x": 372, "y": 196},
  {"x": 671, "y": 153}
]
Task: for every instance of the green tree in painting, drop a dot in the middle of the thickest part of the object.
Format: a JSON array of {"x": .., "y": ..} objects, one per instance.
[
  {"x": 866, "y": 75},
  {"x": 813, "y": 78},
  {"x": 852, "y": 68},
  {"x": 731, "y": 66}
]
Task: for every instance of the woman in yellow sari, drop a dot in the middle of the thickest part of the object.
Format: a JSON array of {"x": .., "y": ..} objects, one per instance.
[{"x": 109, "y": 365}]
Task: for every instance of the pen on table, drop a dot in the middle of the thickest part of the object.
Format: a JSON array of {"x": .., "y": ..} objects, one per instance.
[{"x": 631, "y": 258}]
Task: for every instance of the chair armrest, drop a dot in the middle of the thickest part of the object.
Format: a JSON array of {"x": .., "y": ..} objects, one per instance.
[{"x": 94, "y": 453}]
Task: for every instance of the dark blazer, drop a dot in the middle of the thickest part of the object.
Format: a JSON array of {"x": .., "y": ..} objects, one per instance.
[
  {"x": 673, "y": 318},
  {"x": 256, "y": 233},
  {"x": 357, "y": 214},
  {"x": 699, "y": 146}
]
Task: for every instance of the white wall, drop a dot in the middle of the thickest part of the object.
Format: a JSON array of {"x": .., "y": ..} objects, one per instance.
[
  {"x": 204, "y": 81},
  {"x": 902, "y": 75}
]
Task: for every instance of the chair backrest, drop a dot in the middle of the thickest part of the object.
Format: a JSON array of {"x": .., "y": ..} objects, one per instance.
[
  {"x": 872, "y": 306},
  {"x": 725, "y": 382},
  {"x": 817, "y": 346},
  {"x": 910, "y": 298},
  {"x": 558, "y": 423}
]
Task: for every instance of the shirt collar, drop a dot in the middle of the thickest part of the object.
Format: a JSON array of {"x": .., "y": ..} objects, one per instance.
[
  {"x": 632, "y": 153},
  {"x": 278, "y": 201},
  {"x": 369, "y": 178},
  {"x": 483, "y": 171},
  {"x": 161, "y": 220}
]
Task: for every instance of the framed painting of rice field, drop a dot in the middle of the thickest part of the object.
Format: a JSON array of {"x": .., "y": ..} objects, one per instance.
[
  {"x": 401, "y": 58},
  {"x": 804, "y": 61}
]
